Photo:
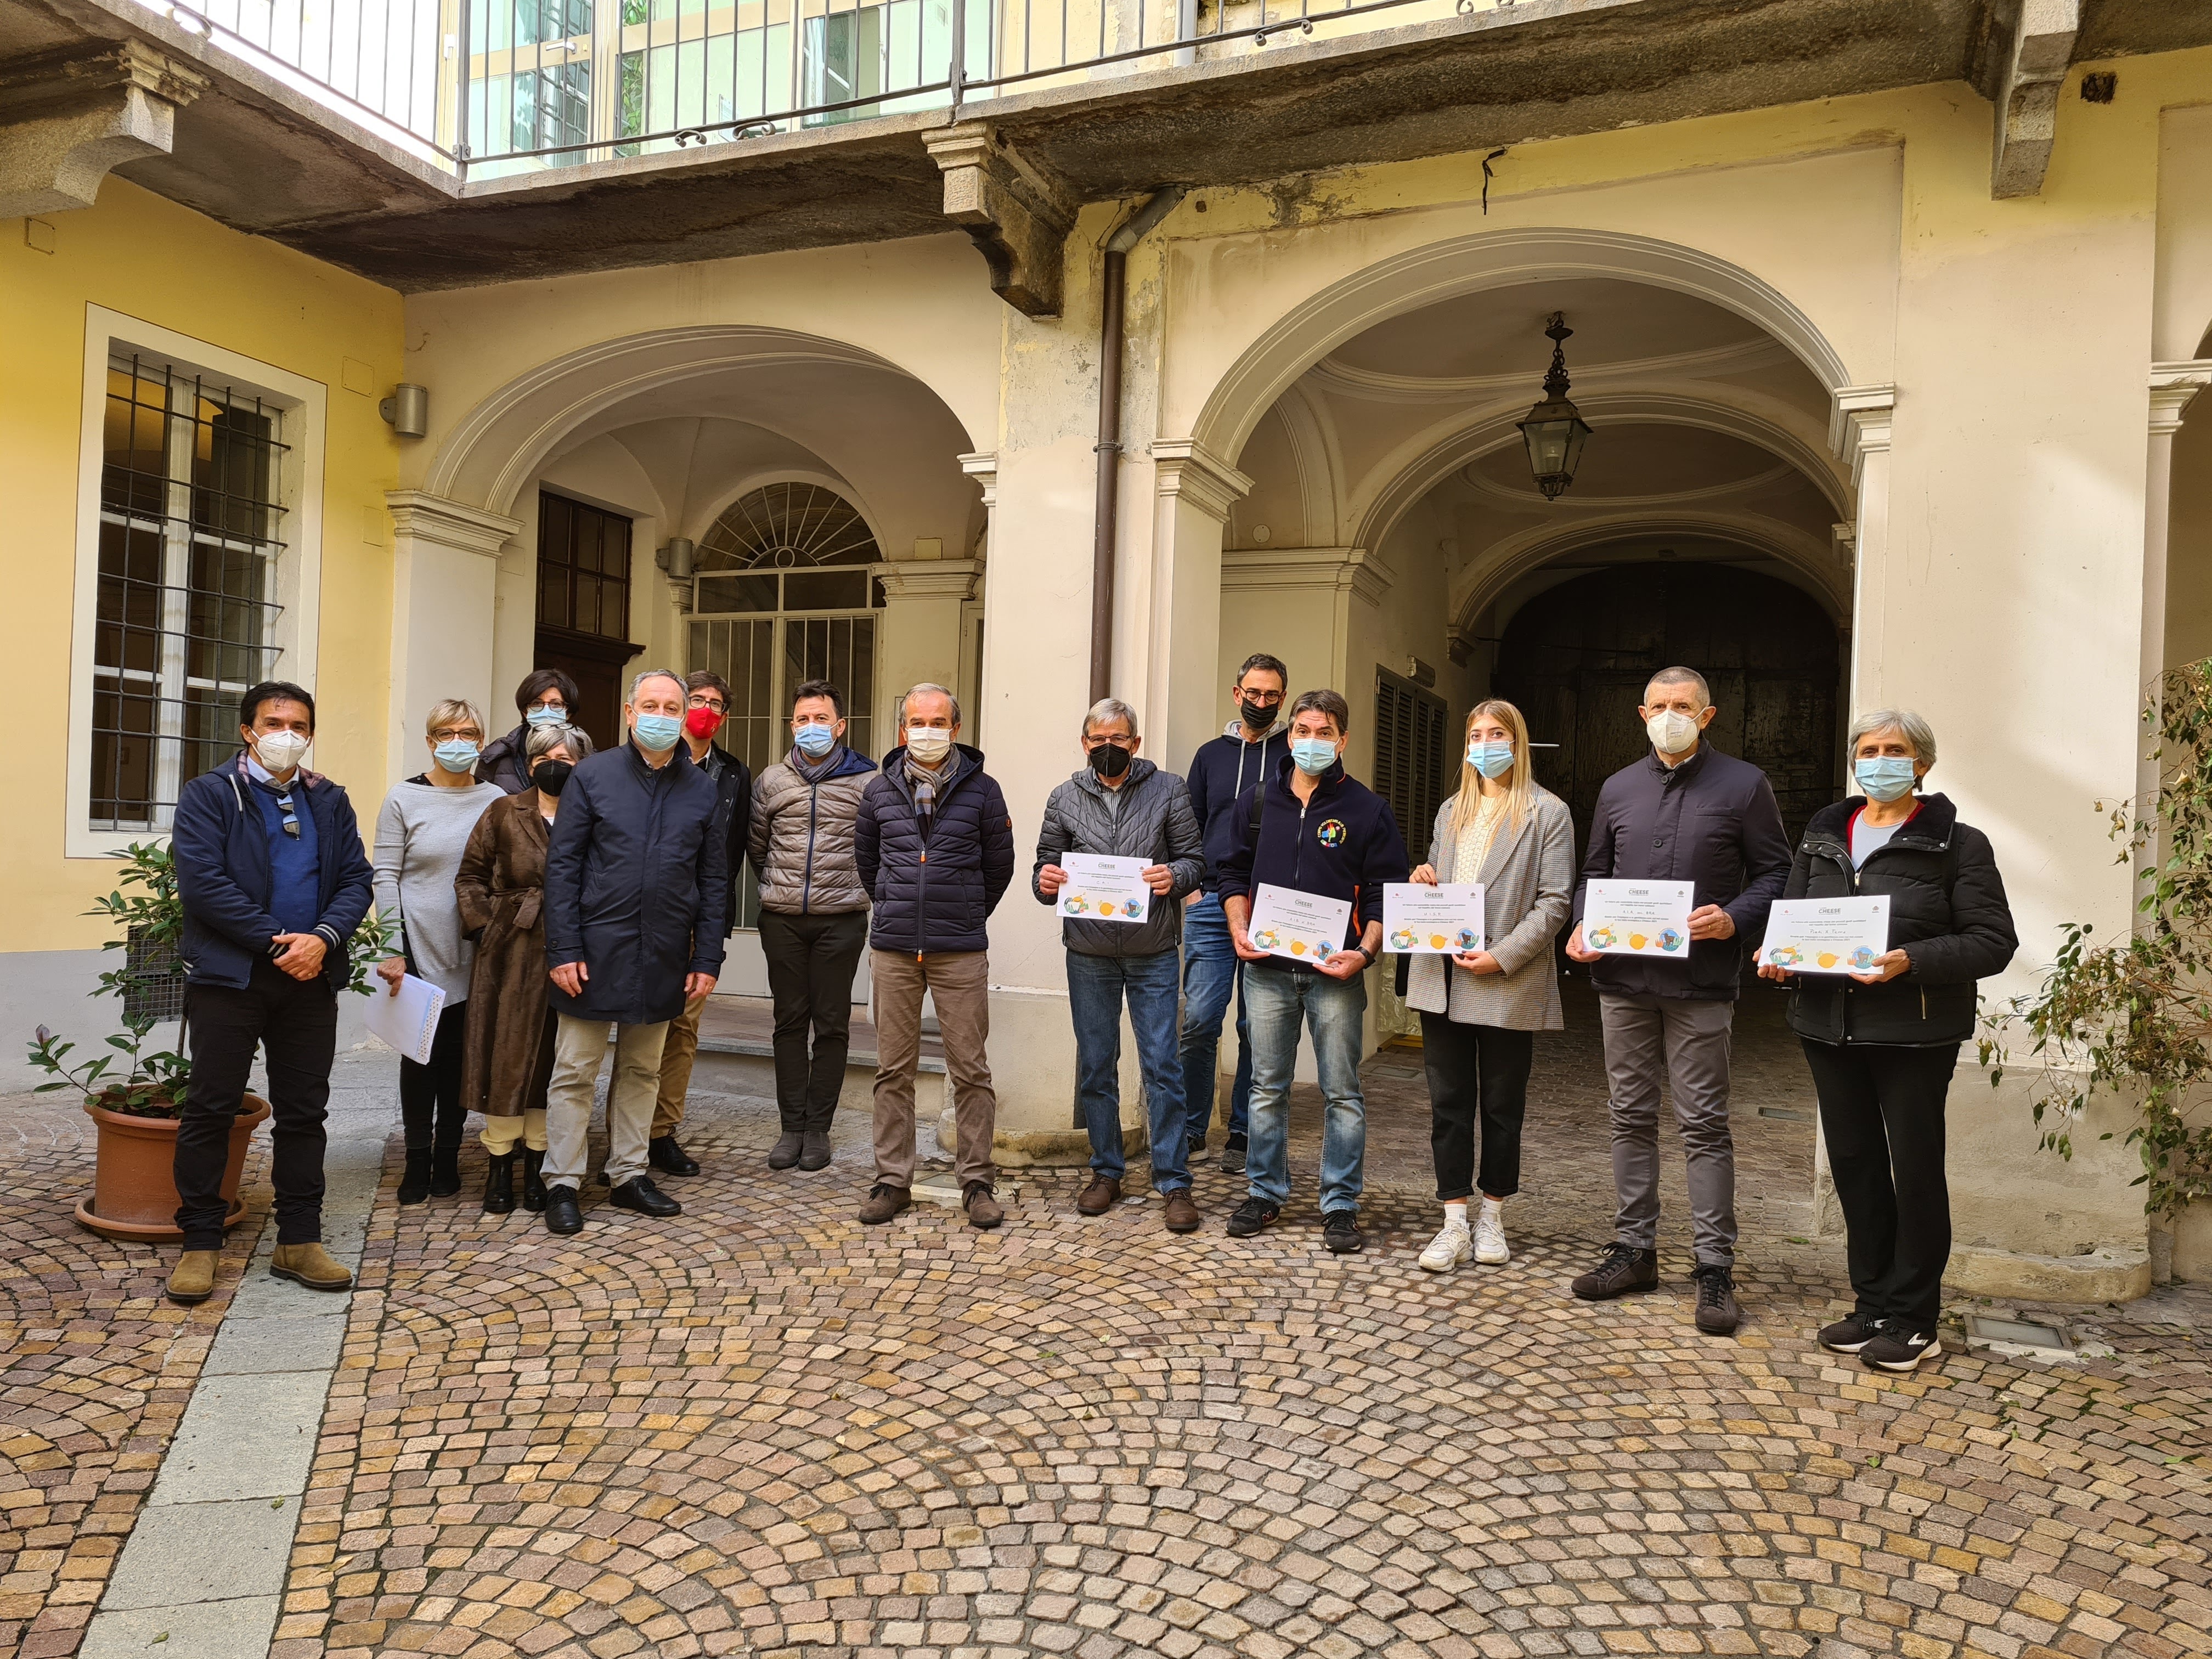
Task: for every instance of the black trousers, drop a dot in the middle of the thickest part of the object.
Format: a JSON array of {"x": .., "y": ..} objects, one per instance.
[
  {"x": 431, "y": 1095},
  {"x": 295, "y": 1024},
  {"x": 810, "y": 963},
  {"x": 1476, "y": 1072},
  {"x": 1881, "y": 1114}
]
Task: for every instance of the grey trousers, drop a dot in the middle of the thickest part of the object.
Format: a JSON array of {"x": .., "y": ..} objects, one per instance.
[
  {"x": 579, "y": 1046},
  {"x": 1690, "y": 1040}
]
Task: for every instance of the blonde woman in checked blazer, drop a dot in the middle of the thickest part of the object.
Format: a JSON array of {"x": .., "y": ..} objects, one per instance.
[{"x": 1480, "y": 1009}]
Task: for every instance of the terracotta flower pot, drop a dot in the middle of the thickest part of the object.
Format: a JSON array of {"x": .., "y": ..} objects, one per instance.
[{"x": 134, "y": 1194}]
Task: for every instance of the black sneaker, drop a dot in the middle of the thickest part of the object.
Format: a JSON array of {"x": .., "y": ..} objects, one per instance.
[
  {"x": 1339, "y": 1230},
  {"x": 1623, "y": 1268},
  {"x": 1232, "y": 1155},
  {"x": 1250, "y": 1216},
  {"x": 1849, "y": 1334},
  {"x": 1900, "y": 1347},
  {"x": 1718, "y": 1313}
]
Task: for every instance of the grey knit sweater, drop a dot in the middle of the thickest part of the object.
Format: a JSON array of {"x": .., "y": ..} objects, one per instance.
[{"x": 420, "y": 833}]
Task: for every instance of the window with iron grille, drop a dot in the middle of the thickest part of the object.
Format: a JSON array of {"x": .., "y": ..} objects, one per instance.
[
  {"x": 1409, "y": 756},
  {"x": 191, "y": 533}
]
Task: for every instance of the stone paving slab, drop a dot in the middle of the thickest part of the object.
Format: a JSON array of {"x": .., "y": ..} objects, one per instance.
[
  {"x": 203, "y": 1552},
  {"x": 234, "y": 1629},
  {"x": 245, "y": 1436}
]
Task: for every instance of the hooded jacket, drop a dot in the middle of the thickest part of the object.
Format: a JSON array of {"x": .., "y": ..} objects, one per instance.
[
  {"x": 1343, "y": 844},
  {"x": 933, "y": 887},
  {"x": 1947, "y": 912},
  {"x": 1148, "y": 817},
  {"x": 801, "y": 836},
  {"x": 1221, "y": 772}
]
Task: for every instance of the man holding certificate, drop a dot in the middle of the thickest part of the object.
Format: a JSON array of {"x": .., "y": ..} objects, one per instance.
[
  {"x": 1686, "y": 853},
  {"x": 1303, "y": 890},
  {"x": 1119, "y": 849}
]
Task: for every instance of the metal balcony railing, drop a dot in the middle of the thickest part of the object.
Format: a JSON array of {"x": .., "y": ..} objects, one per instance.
[{"x": 491, "y": 88}]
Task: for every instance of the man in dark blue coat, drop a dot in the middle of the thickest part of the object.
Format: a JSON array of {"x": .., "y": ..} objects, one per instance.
[
  {"x": 273, "y": 879},
  {"x": 935, "y": 846},
  {"x": 637, "y": 895}
]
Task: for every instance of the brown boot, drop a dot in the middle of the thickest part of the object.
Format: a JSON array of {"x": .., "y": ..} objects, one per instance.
[
  {"x": 1100, "y": 1196},
  {"x": 885, "y": 1201},
  {"x": 310, "y": 1264},
  {"x": 984, "y": 1209},
  {"x": 193, "y": 1279},
  {"x": 1182, "y": 1214}
]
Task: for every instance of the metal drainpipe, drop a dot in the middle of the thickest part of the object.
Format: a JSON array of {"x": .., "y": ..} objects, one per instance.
[{"x": 1156, "y": 208}]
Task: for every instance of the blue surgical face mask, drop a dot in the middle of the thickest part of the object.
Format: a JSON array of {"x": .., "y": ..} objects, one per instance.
[
  {"x": 815, "y": 741},
  {"x": 551, "y": 715},
  {"x": 659, "y": 732},
  {"x": 1313, "y": 755},
  {"x": 1492, "y": 760},
  {"x": 457, "y": 754},
  {"x": 1885, "y": 777}
]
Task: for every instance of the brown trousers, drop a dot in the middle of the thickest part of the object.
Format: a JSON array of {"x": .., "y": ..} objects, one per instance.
[
  {"x": 678, "y": 1054},
  {"x": 958, "y": 983}
]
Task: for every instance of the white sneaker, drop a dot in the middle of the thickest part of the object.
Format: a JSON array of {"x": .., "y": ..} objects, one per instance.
[
  {"x": 1490, "y": 1236},
  {"x": 1448, "y": 1249}
]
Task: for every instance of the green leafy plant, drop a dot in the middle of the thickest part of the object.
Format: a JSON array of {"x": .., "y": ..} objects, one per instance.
[{"x": 2132, "y": 1018}]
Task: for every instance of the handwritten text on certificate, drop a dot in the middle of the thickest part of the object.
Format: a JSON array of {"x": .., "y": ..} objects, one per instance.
[
  {"x": 1419, "y": 920},
  {"x": 1827, "y": 936},
  {"x": 1303, "y": 926},
  {"x": 1638, "y": 918},
  {"x": 1101, "y": 888}
]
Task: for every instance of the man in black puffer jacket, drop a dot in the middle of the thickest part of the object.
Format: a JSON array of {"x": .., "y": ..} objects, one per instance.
[{"x": 935, "y": 846}]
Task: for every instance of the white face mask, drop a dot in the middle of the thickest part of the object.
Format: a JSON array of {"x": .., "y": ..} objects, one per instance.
[
  {"x": 280, "y": 752},
  {"x": 928, "y": 744},
  {"x": 1671, "y": 731}
]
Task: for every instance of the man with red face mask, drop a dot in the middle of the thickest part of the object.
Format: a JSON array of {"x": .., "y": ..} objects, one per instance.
[{"x": 710, "y": 705}]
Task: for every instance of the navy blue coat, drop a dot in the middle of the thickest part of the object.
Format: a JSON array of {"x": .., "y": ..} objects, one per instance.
[
  {"x": 220, "y": 848},
  {"x": 934, "y": 895},
  {"x": 1221, "y": 772},
  {"x": 1342, "y": 844},
  {"x": 637, "y": 885}
]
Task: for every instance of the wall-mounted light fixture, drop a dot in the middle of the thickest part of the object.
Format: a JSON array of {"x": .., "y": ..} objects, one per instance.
[
  {"x": 408, "y": 409},
  {"x": 1555, "y": 430},
  {"x": 679, "y": 558}
]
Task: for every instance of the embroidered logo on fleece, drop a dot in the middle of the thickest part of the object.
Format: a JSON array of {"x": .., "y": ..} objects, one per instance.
[{"x": 1331, "y": 833}]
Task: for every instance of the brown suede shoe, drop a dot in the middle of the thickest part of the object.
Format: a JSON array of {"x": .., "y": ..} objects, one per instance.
[
  {"x": 310, "y": 1264},
  {"x": 193, "y": 1278},
  {"x": 984, "y": 1209},
  {"x": 885, "y": 1201},
  {"x": 1182, "y": 1214},
  {"x": 1100, "y": 1196}
]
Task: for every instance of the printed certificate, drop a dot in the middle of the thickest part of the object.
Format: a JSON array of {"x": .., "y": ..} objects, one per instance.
[
  {"x": 1303, "y": 927},
  {"x": 1104, "y": 889},
  {"x": 1827, "y": 936},
  {"x": 1638, "y": 918},
  {"x": 1419, "y": 920}
]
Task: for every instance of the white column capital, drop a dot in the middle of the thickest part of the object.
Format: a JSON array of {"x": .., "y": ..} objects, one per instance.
[
  {"x": 1189, "y": 471},
  {"x": 930, "y": 578},
  {"x": 423, "y": 517},
  {"x": 983, "y": 467},
  {"x": 1353, "y": 570},
  {"x": 2173, "y": 387},
  {"x": 1859, "y": 423}
]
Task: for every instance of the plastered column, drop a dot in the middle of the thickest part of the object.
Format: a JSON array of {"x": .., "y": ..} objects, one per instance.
[
  {"x": 1859, "y": 432},
  {"x": 444, "y": 569},
  {"x": 1193, "y": 490},
  {"x": 920, "y": 637}
]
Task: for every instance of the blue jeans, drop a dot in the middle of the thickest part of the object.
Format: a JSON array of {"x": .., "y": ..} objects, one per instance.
[
  {"x": 1095, "y": 987},
  {"x": 1209, "y": 975},
  {"x": 1332, "y": 1009}
]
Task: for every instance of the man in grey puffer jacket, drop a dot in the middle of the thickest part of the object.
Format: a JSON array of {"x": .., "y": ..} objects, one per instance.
[
  {"x": 1120, "y": 807},
  {"x": 814, "y": 913}
]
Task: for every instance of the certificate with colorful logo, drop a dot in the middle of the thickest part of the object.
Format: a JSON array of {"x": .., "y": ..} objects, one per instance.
[
  {"x": 1420, "y": 920},
  {"x": 1638, "y": 918},
  {"x": 1827, "y": 936},
  {"x": 1104, "y": 889},
  {"x": 1303, "y": 926}
]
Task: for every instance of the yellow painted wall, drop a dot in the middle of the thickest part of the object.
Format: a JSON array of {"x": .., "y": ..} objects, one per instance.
[{"x": 147, "y": 257}]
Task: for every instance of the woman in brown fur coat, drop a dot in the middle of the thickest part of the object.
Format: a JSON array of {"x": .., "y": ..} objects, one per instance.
[{"x": 508, "y": 1056}]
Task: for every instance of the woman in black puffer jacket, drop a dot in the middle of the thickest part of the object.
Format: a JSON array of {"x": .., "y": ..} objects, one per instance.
[{"x": 1882, "y": 1045}]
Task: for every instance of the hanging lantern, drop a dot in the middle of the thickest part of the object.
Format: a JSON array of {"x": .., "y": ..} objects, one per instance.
[{"x": 1555, "y": 430}]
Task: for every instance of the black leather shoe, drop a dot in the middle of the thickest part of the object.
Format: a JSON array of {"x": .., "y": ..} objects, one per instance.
[
  {"x": 499, "y": 1184},
  {"x": 533, "y": 1180},
  {"x": 445, "y": 1171},
  {"x": 814, "y": 1150},
  {"x": 665, "y": 1155},
  {"x": 562, "y": 1214},
  {"x": 639, "y": 1194},
  {"x": 786, "y": 1151}
]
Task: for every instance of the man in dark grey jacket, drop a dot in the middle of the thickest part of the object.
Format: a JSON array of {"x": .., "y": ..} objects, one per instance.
[
  {"x": 1121, "y": 807},
  {"x": 1685, "y": 812}
]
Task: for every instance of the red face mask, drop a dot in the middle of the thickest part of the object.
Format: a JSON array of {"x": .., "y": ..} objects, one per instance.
[{"x": 702, "y": 722}]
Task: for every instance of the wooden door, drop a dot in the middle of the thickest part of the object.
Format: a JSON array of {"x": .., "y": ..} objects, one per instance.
[{"x": 583, "y": 607}]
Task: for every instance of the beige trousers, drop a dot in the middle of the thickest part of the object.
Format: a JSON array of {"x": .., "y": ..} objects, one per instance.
[
  {"x": 958, "y": 983},
  {"x": 578, "y": 1047},
  {"x": 502, "y": 1134},
  {"x": 677, "y": 1055}
]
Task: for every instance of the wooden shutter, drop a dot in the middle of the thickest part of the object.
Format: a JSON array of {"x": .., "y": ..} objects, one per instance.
[{"x": 1410, "y": 729}]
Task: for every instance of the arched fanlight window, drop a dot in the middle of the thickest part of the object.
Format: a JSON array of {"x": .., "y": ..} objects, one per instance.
[{"x": 787, "y": 526}]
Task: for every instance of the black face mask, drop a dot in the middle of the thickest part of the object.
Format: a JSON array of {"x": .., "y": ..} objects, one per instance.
[
  {"x": 1108, "y": 761},
  {"x": 1256, "y": 719},
  {"x": 551, "y": 776}
]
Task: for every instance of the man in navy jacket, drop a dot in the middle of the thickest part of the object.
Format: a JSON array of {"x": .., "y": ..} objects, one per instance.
[
  {"x": 935, "y": 848},
  {"x": 1314, "y": 830},
  {"x": 1683, "y": 812},
  {"x": 274, "y": 880}
]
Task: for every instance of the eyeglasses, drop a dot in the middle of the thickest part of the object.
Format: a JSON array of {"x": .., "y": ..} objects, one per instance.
[
  {"x": 704, "y": 699},
  {"x": 291, "y": 817},
  {"x": 455, "y": 733},
  {"x": 1265, "y": 699},
  {"x": 1093, "y": 740}
]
